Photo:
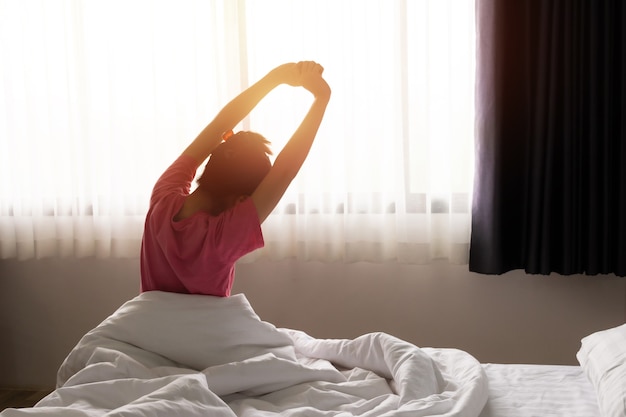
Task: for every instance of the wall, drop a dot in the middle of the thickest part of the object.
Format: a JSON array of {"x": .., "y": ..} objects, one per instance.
[{"x": 47, "y": 305}]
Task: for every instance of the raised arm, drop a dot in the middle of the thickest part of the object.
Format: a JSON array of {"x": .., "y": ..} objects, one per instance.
[
  {"x": 211, "y": 136},
  {"x": 292, "y": 156}
]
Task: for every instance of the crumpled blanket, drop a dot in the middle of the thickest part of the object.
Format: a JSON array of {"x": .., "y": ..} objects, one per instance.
[{"x": 165, "y": 354}]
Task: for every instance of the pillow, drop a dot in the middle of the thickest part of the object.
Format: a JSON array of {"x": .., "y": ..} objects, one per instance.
[
  {"x": 193, "y": 331},
  {"x": 602, "y": 356}
]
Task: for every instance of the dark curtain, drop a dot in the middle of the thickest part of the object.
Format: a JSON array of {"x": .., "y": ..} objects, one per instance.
[{"x": 550, "y": 180}]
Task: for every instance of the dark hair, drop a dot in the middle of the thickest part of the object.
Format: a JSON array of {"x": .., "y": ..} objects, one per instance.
[{"x": 236, "y": 167}]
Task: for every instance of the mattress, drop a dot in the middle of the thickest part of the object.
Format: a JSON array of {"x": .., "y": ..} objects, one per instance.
[{"x": 539, "y": 390}]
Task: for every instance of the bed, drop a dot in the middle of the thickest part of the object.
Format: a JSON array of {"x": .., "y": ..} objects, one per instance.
[{"x": 165, "y": 354}]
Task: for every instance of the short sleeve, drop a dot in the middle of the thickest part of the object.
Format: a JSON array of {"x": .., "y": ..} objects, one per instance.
[
  {"x": 238, "y": 231},
  {"x": 176, "y": 179}
]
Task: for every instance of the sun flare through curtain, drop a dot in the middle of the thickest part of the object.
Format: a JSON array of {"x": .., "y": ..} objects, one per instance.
[{"x": 97, "y": 98}]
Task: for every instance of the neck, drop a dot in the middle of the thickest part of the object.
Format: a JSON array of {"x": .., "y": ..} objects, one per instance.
[{"x": 198, "y": 200}]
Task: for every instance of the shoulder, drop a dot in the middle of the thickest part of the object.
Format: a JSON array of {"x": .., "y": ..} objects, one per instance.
[
  {"x": 183, "y": 165},
  {"x": 176, "y": 178},
  {"x": 238, "y": 230},
  {"x": 244, "y": 213}
]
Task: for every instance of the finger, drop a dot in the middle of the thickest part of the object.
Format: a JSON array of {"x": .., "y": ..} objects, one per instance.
[{"x": 308, "y": 66}]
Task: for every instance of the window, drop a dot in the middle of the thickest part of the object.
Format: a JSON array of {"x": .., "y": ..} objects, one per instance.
[{"x": 91, "y": 116}]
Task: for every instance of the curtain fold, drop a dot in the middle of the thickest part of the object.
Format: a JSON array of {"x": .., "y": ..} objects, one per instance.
[
  {"x": 98, "y": 97},
  {"x": 550, "y": 183}
]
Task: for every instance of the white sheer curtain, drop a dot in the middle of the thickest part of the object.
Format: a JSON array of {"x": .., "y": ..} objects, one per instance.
[{"x": 98, "y": 97}]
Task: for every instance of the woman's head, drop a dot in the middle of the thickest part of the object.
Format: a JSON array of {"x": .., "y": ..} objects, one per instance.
[{"x": 237, "y": 166}]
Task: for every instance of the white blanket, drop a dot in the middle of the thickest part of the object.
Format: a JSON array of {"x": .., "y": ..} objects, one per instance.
[{"x": 164, "y": 354}]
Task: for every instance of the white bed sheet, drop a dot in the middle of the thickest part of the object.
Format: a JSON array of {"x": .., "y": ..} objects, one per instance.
[{"x": 539, "y": 391}]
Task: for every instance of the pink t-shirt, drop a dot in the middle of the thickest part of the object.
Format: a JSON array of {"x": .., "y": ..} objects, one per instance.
[{"x": 195, "y": 255}]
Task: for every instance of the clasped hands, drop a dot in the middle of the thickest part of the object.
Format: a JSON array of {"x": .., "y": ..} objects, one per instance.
[{"x": 307, "y": 74}]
